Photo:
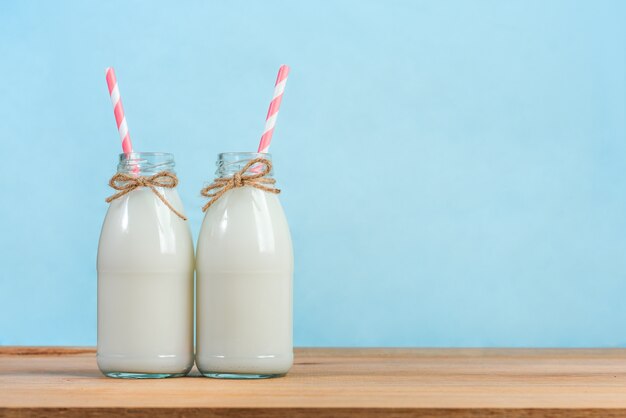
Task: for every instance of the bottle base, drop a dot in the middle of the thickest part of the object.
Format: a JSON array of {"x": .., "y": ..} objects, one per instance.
[
  {"x": 245, "y": 376},
  {"x": 126, "y": 375}
]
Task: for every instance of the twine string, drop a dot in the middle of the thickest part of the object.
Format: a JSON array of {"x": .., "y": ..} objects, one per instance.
[
  {"x": 240, "y": 179},
  {"x": 125, "y": 183}
]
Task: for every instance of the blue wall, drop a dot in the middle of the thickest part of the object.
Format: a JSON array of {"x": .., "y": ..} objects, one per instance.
[{"x": 454, "y": 172}]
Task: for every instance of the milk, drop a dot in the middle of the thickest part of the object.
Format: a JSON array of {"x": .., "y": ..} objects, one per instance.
[
  {"x": 145, "y": 287},
  {"x": 244, "y": 273}
]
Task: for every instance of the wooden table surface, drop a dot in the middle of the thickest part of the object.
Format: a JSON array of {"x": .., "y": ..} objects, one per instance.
[{"x": 325, "y": 382}]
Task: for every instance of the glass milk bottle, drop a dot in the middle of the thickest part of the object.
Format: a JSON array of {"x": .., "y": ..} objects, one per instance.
[
  {"x": 244, "y": 275},
  {"x": 145, "y": 274}
]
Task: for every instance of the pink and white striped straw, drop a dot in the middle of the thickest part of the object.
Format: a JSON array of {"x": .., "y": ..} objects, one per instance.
[
  {"x": 272, "y": 113},
  {"x": 118, "y": 110}
]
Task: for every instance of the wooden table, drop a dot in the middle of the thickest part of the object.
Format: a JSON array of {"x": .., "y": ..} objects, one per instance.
[{"x": 46, "y": 382}]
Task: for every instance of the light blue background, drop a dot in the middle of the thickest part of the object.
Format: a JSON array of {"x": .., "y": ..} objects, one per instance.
[{"x": 454, "y": 172}]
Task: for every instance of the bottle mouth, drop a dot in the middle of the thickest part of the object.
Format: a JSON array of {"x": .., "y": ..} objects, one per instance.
[
  {"x": 145, "y": 162},
  {"x": 146, "y": 155},
  {"x": 243, "y": 155},
  {"x": 229, "y": 163}
]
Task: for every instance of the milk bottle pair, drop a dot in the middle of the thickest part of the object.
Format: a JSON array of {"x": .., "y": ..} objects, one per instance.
[{"x": 146, "y": 263}]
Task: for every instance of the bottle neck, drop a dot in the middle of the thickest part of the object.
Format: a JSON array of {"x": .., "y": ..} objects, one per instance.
[
  {"x": 145, "y": 163},
  {"x": 229, "y": 163}
]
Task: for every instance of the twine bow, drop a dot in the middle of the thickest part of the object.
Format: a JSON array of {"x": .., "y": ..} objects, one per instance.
[
  {"x": 126, "y": 183},
  {"x": 240, "y": 179}
]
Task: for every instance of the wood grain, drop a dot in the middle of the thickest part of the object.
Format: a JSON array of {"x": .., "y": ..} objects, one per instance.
[{"x": 56, "y": 381}]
